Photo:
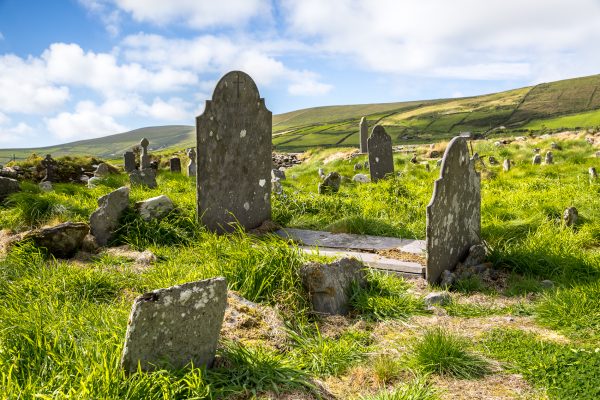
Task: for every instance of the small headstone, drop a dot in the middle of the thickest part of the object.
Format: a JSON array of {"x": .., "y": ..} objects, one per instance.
[
  {"x": 277, "y": 173},
  {"x": 175, "y": 165},
  {"x": 506, "y": 165},
  {"x": 101, "y": 171},
  {"x": 593, "y": 174},
  {"x": 144, "y": 156},
  {"x": 381, "y": 161},
  {"x": 364, "y": 135},
  {"x": 414, "y": 159},
  {"x": 321, "y": 173},
  {"x": 362, "y": 178},
  {"x": 438, "y": 298},
  {"x": 45, "y": 186},
  {"x": 128, "y": 161},
  {"x": 50, "y": 165},
  {"x": 145, "y": 177},
  {"x": 570, "y": 216},
  {"x": 492, "y": 160},
  {"x": 331, "y": 183},
  {"x": 8, "y": 186},
  {"x": 549, "y": 159},
  {"x": 554, "y": 146},
  {"x": 358, "y": 166},
  {"x": 537, "y": 160},
  {"x": 176, "y": 326},
  {"x": 105, "y": 220},
  {"x": 328, "y": 285},
  {"x": 454, "y": 212},
  {"x": 234, "y": 149},
  {"x": 434, "y": 154},
  {"x": 154, "y": 208},
  {"x": 277, "y": 186},
  {"x": 191, "y": 167}
]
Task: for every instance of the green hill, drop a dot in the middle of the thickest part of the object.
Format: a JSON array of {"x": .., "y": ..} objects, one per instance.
[{"x": 567, "y": 104}]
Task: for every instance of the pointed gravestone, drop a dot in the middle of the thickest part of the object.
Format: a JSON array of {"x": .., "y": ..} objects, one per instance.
[
  {"x": 454, "y": 212},
  {"x": 364, "y": 135},
  {"x": 175, "y": 165},
  {"x": 381, "y": 161},
  {"x": 234, "y": 156},
  {"x": 191, "y": 167},
  {"x": 129, "y": 161}
]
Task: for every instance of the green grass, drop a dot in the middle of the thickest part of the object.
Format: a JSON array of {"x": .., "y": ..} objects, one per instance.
[
  {"x": 417, "y": 389},
  {"x": 580, "y": 120}
]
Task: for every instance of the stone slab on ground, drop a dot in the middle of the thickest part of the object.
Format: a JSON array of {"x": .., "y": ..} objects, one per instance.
[
  {"x": 351, "y": 241},
  {"x": 169, "y": 328}
]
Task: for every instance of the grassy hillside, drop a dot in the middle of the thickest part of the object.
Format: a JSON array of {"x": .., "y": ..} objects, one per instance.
[{"x": 567, "y": 104}]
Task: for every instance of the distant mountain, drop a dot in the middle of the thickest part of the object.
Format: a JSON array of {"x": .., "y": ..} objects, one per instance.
[{"x": 568, "y": 104}]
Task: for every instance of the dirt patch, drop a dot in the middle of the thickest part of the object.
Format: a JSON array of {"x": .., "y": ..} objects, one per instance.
[
  {"x": 340, "y": 155},
  {"x": 492, "y": 387},
  {"x": 397, "y": 254}
]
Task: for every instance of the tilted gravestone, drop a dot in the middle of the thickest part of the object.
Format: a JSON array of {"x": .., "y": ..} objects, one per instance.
[
  {"x": 454, "y": 212},
  {"x": 169, "y": 328},
  {"x": 191, "y": 167},
  {"x": 175, "y": 165},
  {"x": 381, "y": 161},
  {"x": 129, "y": 161},
  {"x": 364, "y": 135},
  {"x": 234, "y": 156}
]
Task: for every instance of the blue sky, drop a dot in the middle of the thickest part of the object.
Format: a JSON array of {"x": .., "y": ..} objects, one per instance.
[{"x": 77, "y": 69}]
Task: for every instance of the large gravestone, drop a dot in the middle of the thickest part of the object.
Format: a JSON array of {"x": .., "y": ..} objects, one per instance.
[
  {"x": 234, "y": 156},
  {"x": 364, "y": 134},
  {"x": 454, "y": 212},
  {"x": 169, "y": 328},
  {"x": 129, "y": 161},
  {"x": 381, "y": 161},
  {"x": 175, "y": 165}
]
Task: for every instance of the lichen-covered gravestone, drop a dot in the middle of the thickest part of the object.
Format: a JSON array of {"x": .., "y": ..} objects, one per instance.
[
  {"x": 105, "y": 220},
  {"x": 175, "y": 165},
  {"x": 454, "y": 212},
  {"x": 169, "y": 328},
  {"x": 364, "y": 135},
  {"x": 234, "y": 156},
  {"x": 381, "y": 161},
  {"x": 129, "y": 161},
  {"x": 191, "y": 167}
]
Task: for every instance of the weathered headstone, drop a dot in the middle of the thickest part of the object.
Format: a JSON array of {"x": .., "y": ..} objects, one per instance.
[
  {"x": 102, "y": 170},
  {"x": 570, "y": 216},
  {"x": 593, "y": 173},
  {"x": 105, "y": 220},
  {"x": 537, "y": 160},
  {"x": 175, "y": 165},
  {"x": 154, "y": 208},
  {"x": 549, "y": 159},
  {"x": 145, "y": 177},
  {"x": 331, "y": 183},
  {"x": 191, "y": 167},
  {"x": 277, "y": 173},
  {"x": 381, "y": 161},
  {"x": 234, "y": 156},
  {"x": 8, "y": 186},
  {"x": 169, "y": 328},
  {"x": 454, "y": 212},
  {"x": 364, "y": 135},
  {"x": 50, "y": 165},
  {"x": 129, "y": 161},
  {"x": 506, "y": 165},
  {"x": 62, "y": 240},
  {"x": 144, "y": 156}
]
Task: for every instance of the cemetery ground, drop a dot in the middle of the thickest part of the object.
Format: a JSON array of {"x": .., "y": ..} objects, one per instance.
[{"x": 62, "y": 323}]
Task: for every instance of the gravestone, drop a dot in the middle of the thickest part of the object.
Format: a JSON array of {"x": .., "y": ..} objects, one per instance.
[
  {"x": 331, "y": 183},
  {"x": 144, "y": 157},
  {"x": 381, "y": 161},
  {"x": 593, "y": 173},
  {"x": 234, "y": 156},
  {"x": 549, "y": 159},
  {"x": 169, "y": 328},
  {"x": 537, "y": 160},
  {"x": 105, "y": 220},
  {"x": 129, "y": 161},
  {"x": 50, "y": 165},
  {"x": 145, "y": 177},
  {"x": 191, "y": 167},
  {"x": 364, "y": 135},
  {"x": 8, "y": 186},
  {"x": 506, "y": 165},
  {"x": 454, "y": 212},
  {"x": 175, "y": 165},
  {"x": 102, "y": 171}
]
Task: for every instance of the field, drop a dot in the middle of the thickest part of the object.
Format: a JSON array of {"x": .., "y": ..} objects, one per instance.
[{"x": 63, "y": 322}]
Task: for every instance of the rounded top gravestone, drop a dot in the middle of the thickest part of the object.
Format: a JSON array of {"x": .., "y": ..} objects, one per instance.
[{"x": 234, "y": 156}]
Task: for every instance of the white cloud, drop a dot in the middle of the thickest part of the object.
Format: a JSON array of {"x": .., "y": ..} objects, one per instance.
[
  {"x": 309, "y": 89},
  {"x": 172, "y": 110},
  {"x": 111, "y": 18},
  {"x": 8, "y": 134},
  {"x": 84, "y": 123},
  {"x": 4, "y": 119},
  {"x": 197, "y": 14}
]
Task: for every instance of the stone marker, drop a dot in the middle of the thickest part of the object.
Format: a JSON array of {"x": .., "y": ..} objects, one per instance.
[
  {"x": 155, "y": 207},
  {"x": 105, "y": 220},
  {"x": 276, "y": 185},
  {"x": 549, "y": 159},
  {"x": 176, "y": 326},
  {"x": 191, "y": 167},
  {"x": 144, "y": 157},
  {"x": 8, "y": 186},
  {"x": 328, "y": 285},
  {"x": 331, "y": 183},
  {"x": 506, "y": 165},
  {"x": 234, "y": 156},
  {"x": 361, "y": 178},
  {"x": 364, "y": 135},
  {"x": 381, "y": 161},
  {"x": 129, "y": 161},
  {"x": 358, "y": 166},
  {"x": 593, "y": 173},
  {"x": 101, "y": 171},
  {"x": 537, "y": 160},
  {"x": 62, "y": 240},
  {"x": 554, "y": 146},
  {"x": 175, "y": 165},
  {"x": 50, "y": 165},
  {"x": 145, "y": 177},
  {"x": 454, "y": 212},
  {"x": 570, "y": 216},
  {"x": 46, "y": 186},
  {"x": 277, "y": 173}
]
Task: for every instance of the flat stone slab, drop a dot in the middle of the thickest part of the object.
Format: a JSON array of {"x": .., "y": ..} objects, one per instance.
[
  {"x": 404, "y": 268},
  {"x": 349, "y": 241}
]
